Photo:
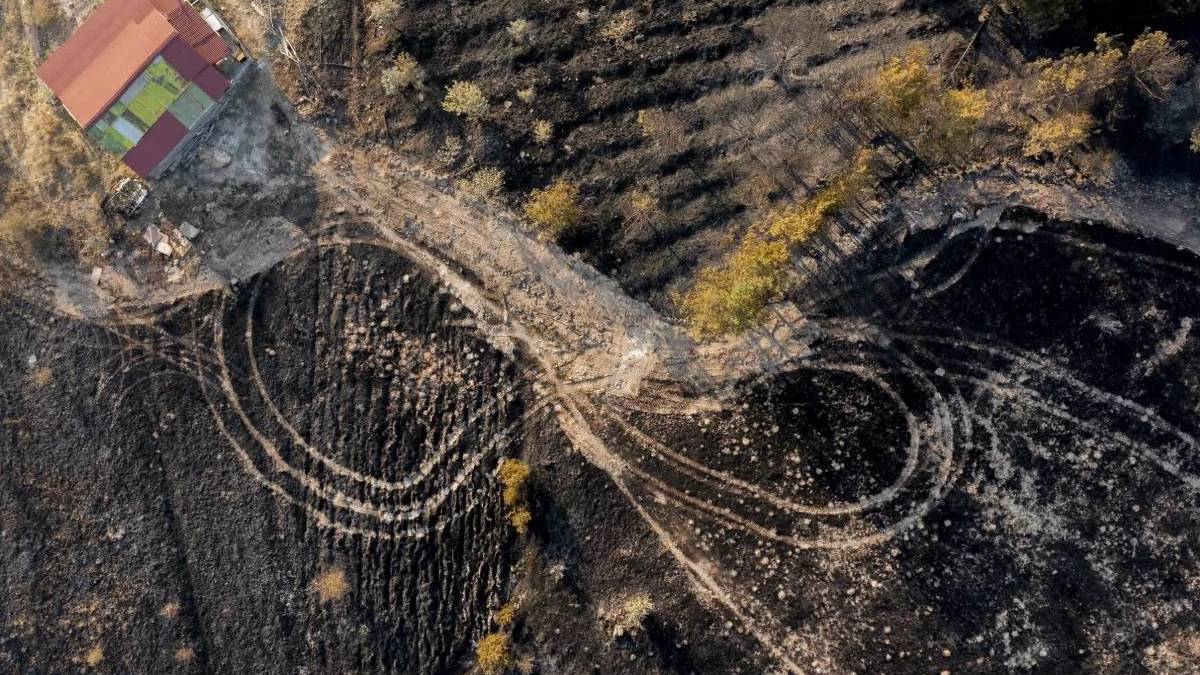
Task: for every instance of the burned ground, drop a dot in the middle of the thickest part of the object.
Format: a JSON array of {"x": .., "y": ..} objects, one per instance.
[
  {"x": 993, "y": 472},
  {"x": 239, "y": 488},
  {"x": 974, "y": 453},
  {"x": 701, "y": 116}
]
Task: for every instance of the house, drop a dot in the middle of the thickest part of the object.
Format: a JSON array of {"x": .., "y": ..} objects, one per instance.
[{"x": 141, "y": 76}]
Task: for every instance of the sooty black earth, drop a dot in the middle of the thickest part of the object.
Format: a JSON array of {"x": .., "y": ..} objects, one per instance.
[
  {"x": 1016, "y": 418},
  {"x": 297, "y": 477},
  {"x": 993, "y": 472},
  {"x": 205, "y": 496}
]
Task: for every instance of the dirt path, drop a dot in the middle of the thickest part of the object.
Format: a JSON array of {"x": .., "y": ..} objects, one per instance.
[{"x": 588, "y": 330}]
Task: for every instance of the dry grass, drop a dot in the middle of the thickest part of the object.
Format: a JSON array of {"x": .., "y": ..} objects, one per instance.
[
  {"x": 185, "y": 654},
  {"x": 41, "y": 378},
  {"x": 51, "y": 177},
  {"x": 43, "y": 13},
  {"x": 169, "y": 610},
  {"x": 331, "y": 585},
  {"x": 94, "y": 656}
]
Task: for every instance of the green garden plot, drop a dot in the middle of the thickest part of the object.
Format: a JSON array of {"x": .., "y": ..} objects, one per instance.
[
  {"x": 191, "y": 105},
  {"x": 114, "y": 133},
  {"x": 157, "y": 89},
  {"x": 110, "y": 139},
  {"x": 153, "y": 92}
]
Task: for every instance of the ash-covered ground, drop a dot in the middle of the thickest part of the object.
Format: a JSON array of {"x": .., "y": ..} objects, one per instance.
[
  {"x": 298, "y": 476},
  {"x": 991, "y": 469}
]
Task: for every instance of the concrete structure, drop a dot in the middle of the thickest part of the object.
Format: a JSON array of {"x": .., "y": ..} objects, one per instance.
[{"x": 141, "y": 76}]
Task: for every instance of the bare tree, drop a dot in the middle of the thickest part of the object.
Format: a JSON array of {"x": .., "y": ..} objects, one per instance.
[{"x": 787, "y": 38}]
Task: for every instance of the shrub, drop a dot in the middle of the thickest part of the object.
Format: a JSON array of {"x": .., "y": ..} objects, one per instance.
[
  {"x": 484, "y": 183},
  {"x": 514, "y": 475},
  {"x": 554, "y": 209},
  {"x": 620, "y": 27},
  {"x": 331, "y": 585},
  {"x": 1157, "y": 63},
  {"x": 796, "y": 224},
  {"x": 648, "y": 122},
  {"x": 493, "y": 654},
  {"x": 506, "y": 615},
  {"x": 642, "y": 203},
  {"x": 733, "y": 296},
  {"x": 1059, "y": 134},
  {"x": 520, "y": 518},
  {"x": 519, "y": 29},
  {"x": 903, "y": 84},
  {"x": 1079, "y": 81},
  {"x": 384, "y": 11},
  {"x": 627, "y": 614},
  {"x": 543, "y": 131},
  {"x": 450, "y": 150},
  {"x": 42, "y": 377},
  {"x": 404, "y": 73},
  {"x": 964, "y": 108},
  {"x": 466, "y": 99}
]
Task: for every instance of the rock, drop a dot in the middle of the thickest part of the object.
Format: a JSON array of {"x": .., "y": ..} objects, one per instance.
[
  {"x": 216, "y": 158},
  {"x": 152, "y": 235},
  {"x": 188, "y": 230},
  {"x": 96, "y": 272}
]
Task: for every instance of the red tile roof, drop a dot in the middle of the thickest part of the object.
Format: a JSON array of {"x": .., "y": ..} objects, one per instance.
[
  {"x": 213, "y": 48},
  {"x": 156, "y": 144},
  {"x": 212, "y": 82},
  {"x": 183, "y": 58},
  {"x": 193, "y": 28},
  {"x": 91, "y": 69}
]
